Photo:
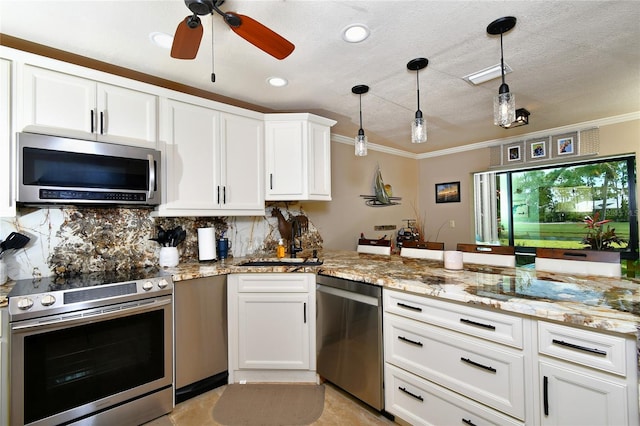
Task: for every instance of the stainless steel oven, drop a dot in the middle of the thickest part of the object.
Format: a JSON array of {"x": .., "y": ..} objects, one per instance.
[{"x": 91, "y": 350}]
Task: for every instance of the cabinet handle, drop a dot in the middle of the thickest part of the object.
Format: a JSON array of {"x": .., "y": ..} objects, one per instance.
[
  {"x": 270, "y": 180},
  {"x": 413, "y": 308},
  {"x": 224, "y": 195},
  {"x": 475, "y": 364},
  {"x": 304, "y": 312},
  {"x": 477, "y": 324},
  {"x": 580, "y": 348},
  {"x": 413, "y": 342},
  {"x": 468, "y": 422},
  {"x": 102, "y": 122},
  {"x": 545, "y": 390},
  {"x": 418, "y": 397},
  {"x": 93, "y": 121},
  {"x": 218, "y": 202}
]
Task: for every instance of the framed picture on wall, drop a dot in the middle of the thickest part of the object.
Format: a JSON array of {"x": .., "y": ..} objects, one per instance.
[
  {"x": 513, "y": 153},
  {"x": 565, "y": 144},
  {"x": 448, "y": 192},
  {"x": 538, "y": 149}
]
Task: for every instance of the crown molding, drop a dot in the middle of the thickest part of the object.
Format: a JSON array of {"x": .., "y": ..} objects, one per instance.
[{"x": 487, "y": 144}]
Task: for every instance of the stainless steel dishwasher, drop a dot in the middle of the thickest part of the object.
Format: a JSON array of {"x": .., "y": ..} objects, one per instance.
[{"x": 349, "y": 337}]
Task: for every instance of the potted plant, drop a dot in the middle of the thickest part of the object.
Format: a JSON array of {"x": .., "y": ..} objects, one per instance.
[{"x": 599, "y": 238}]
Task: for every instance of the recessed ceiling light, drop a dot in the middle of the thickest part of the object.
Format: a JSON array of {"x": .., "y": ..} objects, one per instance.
[
  {"x": 355, "y": 33},
  {"x": 277, "y": 81},
  {"x": 486, "y": 74},
  {"x": 161, "y": 39}
]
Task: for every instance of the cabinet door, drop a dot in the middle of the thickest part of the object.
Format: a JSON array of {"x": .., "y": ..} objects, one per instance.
[
  {"x": 574, "y": 397},
  {"x": 286, "y": 155},
  {"x": 242, "y": 165},
  {"x": 57, "y": 103},
  {"x": 126, "y": 116},
  {"x": 319, "y": 162},
  {"x": 192, "y": 157},
  {"x": 273, "y": 331},
  {"x": 7, "y": 204}
]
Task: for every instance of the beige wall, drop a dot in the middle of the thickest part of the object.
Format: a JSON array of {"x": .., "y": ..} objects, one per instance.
[{"x": 341, "y": 220}]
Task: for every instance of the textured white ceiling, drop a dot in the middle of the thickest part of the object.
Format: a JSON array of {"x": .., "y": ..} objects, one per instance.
[{"x": 572, "y": 61}]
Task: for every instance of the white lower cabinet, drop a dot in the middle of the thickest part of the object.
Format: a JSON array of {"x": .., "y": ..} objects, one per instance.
[
  {"x": 449, "y": 363},
  {"x": 272, "y": 327},
  {"x": 586, "y": 377},
  {"x": 421, "y": 402}
]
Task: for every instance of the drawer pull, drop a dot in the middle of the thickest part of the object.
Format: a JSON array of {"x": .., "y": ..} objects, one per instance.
[
  {"x": 418, "y": 397},
  {"x": 413, "y": 342},
  {"x": 477, "y": 324},
  {"x": 545, "y": 386},
  {"x": 413, "y": 308},
  {"x": 580, "y": 348},
  {"x": 468, "y": 422},
  {"x": 475, "y": 364}
]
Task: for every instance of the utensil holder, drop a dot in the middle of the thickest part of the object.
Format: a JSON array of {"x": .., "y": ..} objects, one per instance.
[{"x": 168, "y": 256}]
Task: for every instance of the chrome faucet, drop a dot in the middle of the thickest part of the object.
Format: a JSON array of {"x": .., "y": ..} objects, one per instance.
[{"x": 296, "y": 232}]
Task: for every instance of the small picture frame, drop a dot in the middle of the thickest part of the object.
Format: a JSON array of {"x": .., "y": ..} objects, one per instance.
[
  {"x": 538, "y": 149},
  {"x": 513, "y": 153},
  {"x": 565, "y": 146},
  {"x": 448, "y": 192}
]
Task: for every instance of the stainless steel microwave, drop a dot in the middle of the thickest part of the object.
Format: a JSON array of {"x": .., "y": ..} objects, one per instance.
[{"x": 56, "y": 170}]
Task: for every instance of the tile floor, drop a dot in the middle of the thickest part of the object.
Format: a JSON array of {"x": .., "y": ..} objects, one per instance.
[{"x": 340, "y": 408}]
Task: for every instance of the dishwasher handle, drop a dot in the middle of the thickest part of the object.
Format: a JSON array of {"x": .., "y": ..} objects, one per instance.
[{"x": 357, "y": 297}]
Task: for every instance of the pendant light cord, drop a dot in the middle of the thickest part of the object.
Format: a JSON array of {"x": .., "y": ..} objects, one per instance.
[
  {"x": 360, "y": 111},
  {"x": 418, "y": 87},
  {"x": 213, "y": 74},
  {"x": 501, "y": 58}
]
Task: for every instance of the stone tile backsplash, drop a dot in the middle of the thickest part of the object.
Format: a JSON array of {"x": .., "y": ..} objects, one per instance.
[{"x": 72, "y": 240}]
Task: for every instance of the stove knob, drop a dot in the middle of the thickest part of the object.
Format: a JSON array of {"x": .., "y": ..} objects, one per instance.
[
  {"x": 47, "y": 300},
  {"x": 147, "y": 286},
  {"x": 162, "y": 283},
  {"x": 25, "y": 303}
]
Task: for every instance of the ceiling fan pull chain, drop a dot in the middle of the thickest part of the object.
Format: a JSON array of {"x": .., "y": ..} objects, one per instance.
[{"x": 213, "y": 74}]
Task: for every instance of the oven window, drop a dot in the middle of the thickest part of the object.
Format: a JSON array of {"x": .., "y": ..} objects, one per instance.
[
  {"x": 69, "y": 169},
  {"x": 71, "y": 367}
]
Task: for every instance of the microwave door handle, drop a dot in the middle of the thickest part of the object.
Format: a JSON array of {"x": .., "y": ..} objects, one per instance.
[{"x": 152, "y": 177}]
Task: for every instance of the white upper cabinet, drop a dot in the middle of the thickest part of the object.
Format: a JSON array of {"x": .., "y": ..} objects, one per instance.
[
  {"x": 7, "y": 203},
  {"x": 213, "y": 162},
  {"x": 297, "y": 157},
  {"x": 66, "y": 105}
]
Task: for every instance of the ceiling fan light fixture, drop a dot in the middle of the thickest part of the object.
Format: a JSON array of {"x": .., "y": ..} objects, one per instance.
[
  {"x": 360, "y": 141},
  {"x": 418, "y": 124},
  {"x": 355, "y": 33},
  {"x": 277, "y": 81},
  {"x": 504, "y": 104},
  {"x": 162, "y": 40}
]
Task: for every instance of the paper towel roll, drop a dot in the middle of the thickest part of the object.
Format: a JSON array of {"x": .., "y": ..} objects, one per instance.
[
  {"x": 206, "y": 243},
  {"x": 452, "y": 259}
]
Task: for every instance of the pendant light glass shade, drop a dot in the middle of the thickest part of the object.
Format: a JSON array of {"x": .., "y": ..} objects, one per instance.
[
  {"x": 504, "y": 108},
  {"x": 360, "y": 140},
  {"x": 418, "y": 124},
  {"x": 504, "y": 104}
]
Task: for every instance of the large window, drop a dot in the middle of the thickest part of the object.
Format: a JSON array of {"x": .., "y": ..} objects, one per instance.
[{"x": 551, "y": 206}]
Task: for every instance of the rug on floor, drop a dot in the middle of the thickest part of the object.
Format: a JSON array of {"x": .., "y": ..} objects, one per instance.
[{"x": 269, "y": 404}]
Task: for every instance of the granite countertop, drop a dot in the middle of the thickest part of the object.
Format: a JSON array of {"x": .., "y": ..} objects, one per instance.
[{"x": 595, "y": 302}]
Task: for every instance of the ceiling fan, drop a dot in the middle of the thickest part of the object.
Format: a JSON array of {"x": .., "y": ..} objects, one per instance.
[{"x": 189, "y": 32}]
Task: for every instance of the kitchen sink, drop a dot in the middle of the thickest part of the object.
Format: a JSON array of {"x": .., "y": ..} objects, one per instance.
[{"x": 283, "y": 262}]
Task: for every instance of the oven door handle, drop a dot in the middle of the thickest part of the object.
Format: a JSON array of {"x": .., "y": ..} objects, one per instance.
[{"x": 92, "y": 315}]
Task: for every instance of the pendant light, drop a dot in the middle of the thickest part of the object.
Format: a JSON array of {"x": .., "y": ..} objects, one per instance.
[
  {"x": 504, "y": 104},
  {"x": 418, "y": 125},
  {"x": 360, "y": 139}
]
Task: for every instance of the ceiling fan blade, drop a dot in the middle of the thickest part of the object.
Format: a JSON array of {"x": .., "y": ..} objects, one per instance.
[
  {"x": 260, "y": 36},
  {"x": 187, "y": 38}
]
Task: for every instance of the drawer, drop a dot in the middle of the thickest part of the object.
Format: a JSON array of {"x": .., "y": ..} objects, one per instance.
[
  {"x": 494, "y": 326},
  {"x": 421, "y": 402},
  {"x": 486, "y": 372},
  {"x": 588, "y": 348},
  {"x": 273, "y": 282}
]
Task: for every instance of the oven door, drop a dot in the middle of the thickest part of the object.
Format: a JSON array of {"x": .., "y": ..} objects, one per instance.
[{"x": 72, "y": 366}]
